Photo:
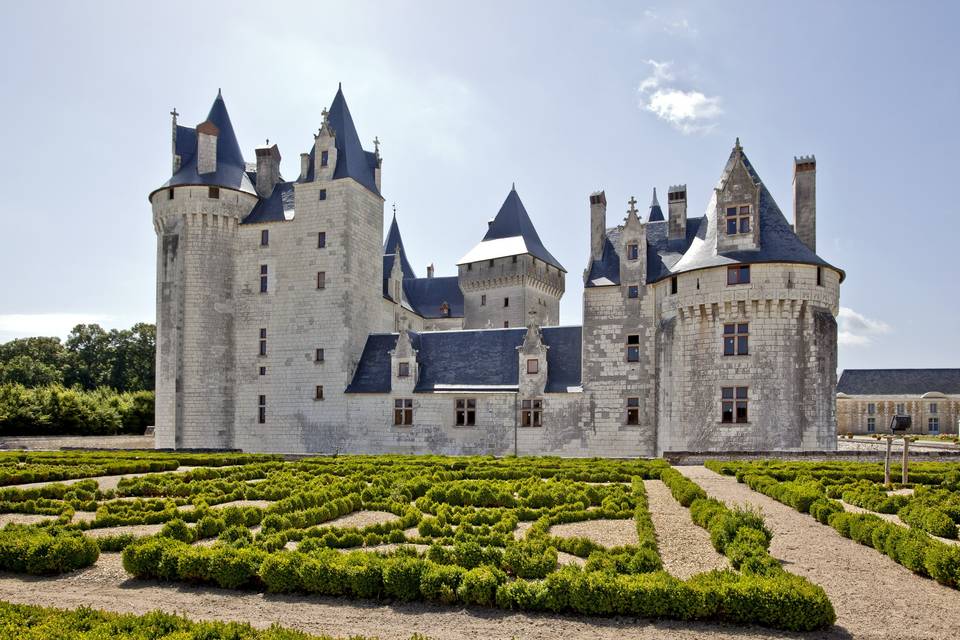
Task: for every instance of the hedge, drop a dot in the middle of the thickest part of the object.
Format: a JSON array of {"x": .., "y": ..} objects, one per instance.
[
  {"x": 41, "y": 551},
  {"x": 57, "y": 410}
]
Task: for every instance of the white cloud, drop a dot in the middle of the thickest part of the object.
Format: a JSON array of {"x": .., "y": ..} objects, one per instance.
[
  {"x": 856, "y": 330},
  {"x": 678, "y": 25},
  {"x": 688, "y": 111},
  {"x": 22, "y": 325}
]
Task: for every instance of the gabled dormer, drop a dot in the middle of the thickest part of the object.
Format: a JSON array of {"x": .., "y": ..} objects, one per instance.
[
  {"x": 403, "y": 365},
  {"x": 633, "y": 247},
  {"x": 533, "y": 362},
  {"x": 324, "y": 150},
  {"x": 738, "y": 206}
]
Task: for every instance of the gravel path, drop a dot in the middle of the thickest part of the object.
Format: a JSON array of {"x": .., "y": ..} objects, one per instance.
[
  {"x": 135, "y": 529},
  {"x": 609, "y": 533},
  {"x": 361, "y": 519},
  {"x": 891, "y": 517},
  {"x": 684, "y": 547},
  {"x": 23, "y": 518},
  {"x": 874, "y": 597},
  {"x": 104, "y": 482}
]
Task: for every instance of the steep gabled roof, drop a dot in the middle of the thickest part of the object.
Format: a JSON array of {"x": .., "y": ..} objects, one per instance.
[
  {"x": 511, "y": 233},
  {"x": 427, "y": 295},
  {"x": 277, "y": 207},
  {"x": 656, "y": 214},
  {"x": 391, "y": 245},
  {"x": 891, "y": 382}
]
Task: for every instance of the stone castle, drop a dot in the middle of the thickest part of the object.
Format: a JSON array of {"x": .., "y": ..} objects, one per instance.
[{"x": 285, "y": 323}]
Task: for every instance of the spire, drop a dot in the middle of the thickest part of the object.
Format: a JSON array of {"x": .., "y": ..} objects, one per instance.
[
  {"x": 633, "y": 217},
  {"x": 228, "y": 149},
  {"x": 513, "y": 186},
  {"x": 394, "y": 245},
  {"x": 352, "y": 160},
  {"x": 656, "y": 214},
  {"x": 513, "y": 221}
]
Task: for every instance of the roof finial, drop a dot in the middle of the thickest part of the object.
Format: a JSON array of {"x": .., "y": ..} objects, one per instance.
[
  {"x": 513, "y": 186},
  {"x": 339, "y": 86},
  {"x": 267, "y": 144},
  {"x": 394, "y": 210},
  {"x": 174, "y": 114},
  {"x": 219, "y": 94},
  {"x": 376, "y": 145},
  {"x": 736, "y": 145},
  {"x": 633, "y": 205}
]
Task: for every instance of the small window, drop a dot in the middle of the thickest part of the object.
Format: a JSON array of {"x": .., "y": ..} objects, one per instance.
[
  {"x": 322, "y": 240},
  {"x": 633, "y": 251},
  {"x": 403, "y": 412},
  {"x": 490, "y": 263},
  {"x": 465, "y": 410},
  {"x": 265, "y": 238},
  {"x": 633, "y": 348},
  {"x": 733, "y": 405},
  {"x": 531, "y": 413},
  {"x": 321, "y": 280},
  {"x": 483, "y": 300},
  {"x": 263, "y": 278},
  {"x": 263, "y": 371},
  {"x": 739, "y": 274},
  {"x": 633, "y": 411},
  {"x": 633, "y": 291},
  {"x": 933, "y": 407},
  {"x": 506, "y": 324},
  {"x": 736, "y": 339},
  {"x": 871, "y": 408},
  {"x": 323, "y": 194},
  {"x": 738, "y": 220},
  {"x": 169, "y": 194},
  {"x": 871, "y": 425},
  {"x": 324, "y": 159},
  {"x": 318, "y": 355},
  {"x": 514, "y": 260},
  {"x": 673, "y": 285},
  {"x": 445, "y": 310},
  {"x": 533, "y": 365},
  {"x": 901, "y": 409},
  {"x": 933, "y": 425},
  {"x": 506, "y": 302},
  {"x": 819, "y": 276},
  {"x": 403, "y": 369},
  {"x": 213, "y": 192},
  {"x": 318, "y": 392},
  {"x": 470, "y": 267},
  {"x": 262, "y": 409},
  {"x": 263, "y": 342}
]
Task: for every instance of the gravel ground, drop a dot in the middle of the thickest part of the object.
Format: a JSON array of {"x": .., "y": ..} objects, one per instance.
[
  {"x": 521, "y": 531},
  {"x": 684, "y": 547},
  {"x": 135, "y": 529},
  {"x": 23, "y": 518},
  {"x": 260, "y": 504},
  {"x": 874, "y": 597},
  {"x": 361, "y": 519},
  {"x": 609, "y": 533},
  {"x": 891, "y": 517},
  {"x": 104, "y": 482}
]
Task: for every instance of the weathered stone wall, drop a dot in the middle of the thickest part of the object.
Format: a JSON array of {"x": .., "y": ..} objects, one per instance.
[
  {"x": 530, "y": 285},
  {"x": 853, "y": 412}
]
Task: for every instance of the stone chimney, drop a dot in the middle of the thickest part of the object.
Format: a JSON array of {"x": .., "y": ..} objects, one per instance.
[
  {"x": 268, "y": 169},
  {"x": 598, "y": 224},
  {"x": 805, "y": 200},
  {"x": 429, "y": 270},
  {"x": 677, "y": 204},
  {"x": 207, "y": 134}
]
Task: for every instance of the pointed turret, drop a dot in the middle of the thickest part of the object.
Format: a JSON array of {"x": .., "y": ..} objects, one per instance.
[
  {"x": 392, "y": 247},
  {"x": 656, "y": 214},
  {"x": 351, "y": 159}
]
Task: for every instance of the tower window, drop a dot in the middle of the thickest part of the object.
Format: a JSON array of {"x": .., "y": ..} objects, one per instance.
[
  {"x": 263, "y": 278},
  {"x": 733, "y": 405},
  {"x": 533, "y": 366},
  {"x": 633, "y": 348},
  {"x": 514, "y": 260},
  {"x": 531, "y": 413},
  {"x": 736, "y": 339},
  {"x": 871, "y": 425},
  {"x": 633, "y": 251},
  {"x": 739, "y": 274},
  {"x": 322, "y": 240},
  {"x": 483, "y": 299},
  {"x": 633, "y": 291},
  {"x": 169, "y": 194},
  {"x": 819, "y": 276},
  {"x": 470, "y": 267},
  {"x": 738, "y": 220},
  {"x": 263, "y": 342},
  {"x": 213, "y": 192},
  {"x": 265, "y": 237},
  {"x": 318, "y": 392},
  {"x": 321, "y": 280},
  {"x": 403, "y": 412},
  {"x": 262, "y": 409},
  {"x": 465, "y": 410},
  {"x": 491, "y": 263},
  {"x": 673, "y": 285},
  {"x": 263, "y": 371},
  {"x": 318, "y": 355},
  {"x": 323, "y": 194},
  {"x": 933, "y": 407},
  {"x": 506, "y": 302},
  {"x": 324, "y": 159},
  {"x": 633, "y": 411},
  {"x": 506, "y": 324},
  {"x": 403, "y": 369}
]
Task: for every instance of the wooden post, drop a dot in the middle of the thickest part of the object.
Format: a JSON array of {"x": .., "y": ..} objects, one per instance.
[
  {"x": 886, "y": 462},
  {"x": 906, "y": 447}
]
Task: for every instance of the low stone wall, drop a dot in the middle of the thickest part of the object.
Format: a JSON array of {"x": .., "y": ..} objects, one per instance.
[
  {"x": 865, "y": 455},
  {"x": 53, "y": 443}
]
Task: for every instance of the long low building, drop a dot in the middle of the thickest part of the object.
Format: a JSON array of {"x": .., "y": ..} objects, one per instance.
[{"x": 867, "y": 400}]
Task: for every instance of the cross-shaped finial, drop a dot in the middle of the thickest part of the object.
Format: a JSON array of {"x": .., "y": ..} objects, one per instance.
[
  {"x": 633, "y": 205},
  {"x": 174, "y": 114},
  {"x": 268, "y": 142},
  {"x": 394, "y": 209},
  {"x": 325, "y": 115},
  {"x": 376, "y": 145}
]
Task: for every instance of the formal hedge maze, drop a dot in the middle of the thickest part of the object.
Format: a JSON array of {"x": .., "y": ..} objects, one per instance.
[
  {"x": 465, "y": 531},
  {"x": 915, "y": 524}
]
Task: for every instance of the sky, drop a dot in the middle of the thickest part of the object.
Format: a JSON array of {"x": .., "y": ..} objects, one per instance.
[{"x": 561, "y": 98}]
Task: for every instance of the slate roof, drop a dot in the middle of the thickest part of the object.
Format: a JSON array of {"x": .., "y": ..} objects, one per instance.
[
  {"x": 778, "y": 242},
  {"x": 656, "y": 214},
  {"x": 475, "y": 360},
  {"x": 889, "y": 382},
  {"x": 390, "y": 247},
  {"x": 231, "y": 169},
  {"x": 511, "y": 233},
  {"x": 352, "y": 160},
  {"x": 277, "y": 207},
  {"x": 425, "y": 295}
]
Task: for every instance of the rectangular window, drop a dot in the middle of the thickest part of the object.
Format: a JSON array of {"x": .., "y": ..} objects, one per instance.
[
  {"x": 262, "y": 409},
  {"x": 263, "y": 278},
  {"x": 633, "y": 348},
  {"x": 169, "y": 194},
  {"x": 901, "y": 409},
  {"x": 933, "y": 425},
  {"x": 483, "y": 299},
  {"x": 466, "y": 412},
  {"x": 470, "y": 267},
  {"x": 324, "y": 158},
  {"x": 403, "y": 412},
  {"x": 490, "y": 263},
  {"x": 633, "y": 251},
  {"x": 514, "y": 261},
  {"x": 733, "y": 405},
  {"x": 322, "y": 240},
  {"x": 403, "y": 369},
  {"x": 318, "y": 392},
  {"x": 673, "y": 285},
  {"x": 736, "y": 339},
  {"x": 506, "y": 302},
  {"x": 213, "y": 192},
  {"x": 633, "y": 291},
  {"x": 933, "y": 407},
  {"x": 633, "y": 410},
  {"x": 739, "y": 274},
  {"x": 321, "y": 280},
  {"x": 871, "y": 425},
  {"x": 264, "y": 237},
  {"x": 738, "y": 220},
  {"x": 263, "y": 342},
  {"x": 323, "y": 194},
  {"x": 533, "y": 365},
  {"x": 506, "y": 324},
  {"x": 318, "y": 355},
  {"x": 531, "y": 413},
  {"x": 819, "y": 276},
  {"x": 871, "y": 408},
  {"x": 263, "y": 371}
]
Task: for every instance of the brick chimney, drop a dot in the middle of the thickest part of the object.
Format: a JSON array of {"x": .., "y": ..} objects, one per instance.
[
  {"x": 598, "y": 224},
  {"x": 805, "y": 200},
  {"x": 268, "y": 169},
  {"x": 207, "y": 134},
  {"x": 429, "y": 270},
  {"x": 304, "y": 165},
  {"x": 677, "y": 204}
]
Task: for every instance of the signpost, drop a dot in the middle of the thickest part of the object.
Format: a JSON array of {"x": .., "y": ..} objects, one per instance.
[{"x": 897, "y": 423}]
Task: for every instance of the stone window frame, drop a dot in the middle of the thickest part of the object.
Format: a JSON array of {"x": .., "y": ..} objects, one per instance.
[
  {"x": 633, "y": 411},
  {"x": 933, "y": 421},
  {"x": 321, "y": 280},
  {"x": 738, "y": 271},
  {"x": 632, "y": 347},
  {"x": 324, "y": 158},
  {"x": 318, "y": 354},
  {"x": 323, "y": 194},
  {"x": 465, "y": 412},
  {"x": 403, "y": 412},
  {"x": 263, "y": 341},
  {"x": 506, "y": 302},
  {"x": 506, "y": 324},
  {"x": 674, "y": 285},
  {"x": 531, "y": 412},
  {"x": 735, "y": 336},
  {"x": 871, "y": 425},
  {"x": 213, "y": 193},
  {"x": 318, "y": 392},
  {"x": 264, "y": 237},
  {"x": 819, "y": 276},
  {"x": 533, "y": 366},
  {"x": 933, "y": 408},
  {"x": 170, "y": 193},
  {"x": 733, "y": 397},
  {"x": 871, "y": 408},
  {"x": 633, "y": 291},
  {"x": 262, "y": 409},
  {"x": 633, "y": 251},
  {"x": 901, "y": 409},
  {"x": 403, "y": 369},
  {"x": 263, "y": 371},
  {"x": 738, "y": 214},
  {"x": 264, "y": 282},
  {"x": 483, "y": 299},
  {"x": 321, "y": 240}
]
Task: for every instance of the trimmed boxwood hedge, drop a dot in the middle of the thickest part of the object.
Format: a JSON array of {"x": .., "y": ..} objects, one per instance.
[{"x": 45, "y": 551}]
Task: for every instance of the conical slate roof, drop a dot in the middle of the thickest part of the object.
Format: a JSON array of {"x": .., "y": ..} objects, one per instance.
[
  {"x": 656, "y": 215},
  {"x": 352, "y": 160},
  {"x": 392, "y": 244},
  {"x": 511, "y": 233}
]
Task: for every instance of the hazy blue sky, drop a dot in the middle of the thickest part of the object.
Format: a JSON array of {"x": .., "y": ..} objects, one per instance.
[{"x": 562, "y": 98}]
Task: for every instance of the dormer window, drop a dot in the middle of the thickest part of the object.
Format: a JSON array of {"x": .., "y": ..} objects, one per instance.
[
  {"x": 213, "y": 192},
  {"x": 445, "y": 310},
  {"x": 633, "y": 251},
  {"x": 738, "y": 275},
  {"x": 533, "y": 366},
  {"x": 324, "y": 158},
  {"x": 403, "y": 370},
  {"x": 738, "y": 219}
]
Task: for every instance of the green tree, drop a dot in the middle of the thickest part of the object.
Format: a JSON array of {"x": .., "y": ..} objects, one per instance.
[
  {"x": 25, "y": 370},
  {"x": 91, "y": 360}
]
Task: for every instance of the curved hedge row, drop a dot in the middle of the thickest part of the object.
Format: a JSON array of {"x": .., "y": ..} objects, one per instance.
[{"x": 40, "y": 551}]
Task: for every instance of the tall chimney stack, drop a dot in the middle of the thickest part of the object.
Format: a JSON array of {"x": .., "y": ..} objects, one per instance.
[
  {"x": 598, "y": 224},
  {"x": 268, "y": 169},
  {"x": 677, "y": 204},
  {"x": 207, "y": 134},
  {"x": 805, "y": 200},
  {"x": 304, "y": 165},
  {"x": 430, "y": 270}
]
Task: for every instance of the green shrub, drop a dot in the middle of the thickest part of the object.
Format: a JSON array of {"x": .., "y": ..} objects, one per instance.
[
  {"x": 479, "y": 586},
  {"x": 153, "y": 557},
  {"x": 233, "y": 568},
  {"x": 401, "y": 577},
  {"x": 440, "y": 582},
  {"x": 280, "y": 572},
  {"x": 530, "y": 559},
  {"x": 178, "y": 530},
  {"x": 685, "y": 491},
  {"x": 209, "y": 526},
  {"x": 942, "y": 562}
]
